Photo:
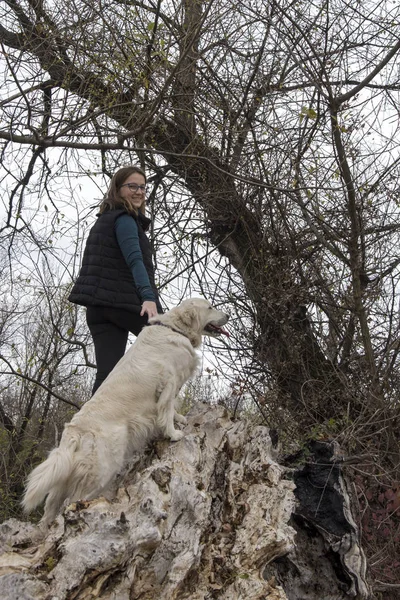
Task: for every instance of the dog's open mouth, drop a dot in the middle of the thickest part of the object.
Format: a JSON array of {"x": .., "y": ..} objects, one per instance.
[{"x": 215, "y": 329}]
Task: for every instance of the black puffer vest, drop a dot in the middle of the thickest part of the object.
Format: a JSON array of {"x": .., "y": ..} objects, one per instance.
[{"x": 105, "y": 279}]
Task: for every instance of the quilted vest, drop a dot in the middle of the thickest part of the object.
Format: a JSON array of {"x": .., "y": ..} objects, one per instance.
[{"x": 105, "y": 278}]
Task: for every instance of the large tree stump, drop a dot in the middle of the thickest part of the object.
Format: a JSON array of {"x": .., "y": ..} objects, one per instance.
[{"x": 207, "y": 517}]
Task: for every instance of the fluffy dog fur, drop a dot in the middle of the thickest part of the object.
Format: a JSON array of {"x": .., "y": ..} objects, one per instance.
[{"x": 133, "y": 405}]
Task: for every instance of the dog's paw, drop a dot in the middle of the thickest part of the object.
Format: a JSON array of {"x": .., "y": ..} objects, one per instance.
[
  {"x": 176, "y": 436},
  {"x": 180, "y": 419}
]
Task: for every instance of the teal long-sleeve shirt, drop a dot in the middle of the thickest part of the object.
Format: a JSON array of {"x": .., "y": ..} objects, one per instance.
[{"x": 128, "y": 239}]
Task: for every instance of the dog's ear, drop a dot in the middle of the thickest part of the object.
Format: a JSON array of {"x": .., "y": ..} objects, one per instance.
[{"x": 190, "y": 318}]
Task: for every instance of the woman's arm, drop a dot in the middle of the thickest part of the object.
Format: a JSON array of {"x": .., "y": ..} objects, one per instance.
[{"x": 128, "y": 239}]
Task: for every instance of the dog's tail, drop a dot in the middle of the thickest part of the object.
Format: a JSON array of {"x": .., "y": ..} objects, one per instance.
[{"x": 52, "y": 473}]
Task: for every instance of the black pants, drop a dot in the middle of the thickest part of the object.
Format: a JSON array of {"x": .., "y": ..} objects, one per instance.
[{"x": 110, "y": 328}]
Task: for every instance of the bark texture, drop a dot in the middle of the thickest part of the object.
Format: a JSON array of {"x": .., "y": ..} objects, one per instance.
[{"x": 213, "y": 516}]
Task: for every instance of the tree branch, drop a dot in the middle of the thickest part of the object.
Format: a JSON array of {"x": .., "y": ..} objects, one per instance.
[
  {"x": 344, "y": 97},
  {"x": 12, "y": 371}
]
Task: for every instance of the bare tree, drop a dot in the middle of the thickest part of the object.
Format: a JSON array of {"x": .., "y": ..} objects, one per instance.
[
  {"x": 269, "y": 131},
  {"x": 42, "y": 382}
]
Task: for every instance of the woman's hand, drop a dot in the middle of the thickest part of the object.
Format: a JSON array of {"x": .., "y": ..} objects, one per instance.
[{"x": 149, "y": 308}]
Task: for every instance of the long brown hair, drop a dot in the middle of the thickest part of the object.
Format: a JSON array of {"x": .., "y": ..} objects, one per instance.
[{"x": 112, "y": 199}]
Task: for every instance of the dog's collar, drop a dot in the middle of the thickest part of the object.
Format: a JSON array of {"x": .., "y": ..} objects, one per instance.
[{"x": 169, "y": 327}]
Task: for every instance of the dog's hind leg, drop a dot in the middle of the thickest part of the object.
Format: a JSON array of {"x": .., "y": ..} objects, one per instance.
[
  {"x": 166, "y": 411},
  {"x": 53, "y": 504}
]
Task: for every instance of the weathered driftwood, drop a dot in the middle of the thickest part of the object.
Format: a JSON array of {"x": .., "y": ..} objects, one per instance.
[{"x": 212, "y": 516}]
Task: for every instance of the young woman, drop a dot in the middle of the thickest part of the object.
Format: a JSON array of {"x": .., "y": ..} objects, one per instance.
[{"x": 116, "y": 280}]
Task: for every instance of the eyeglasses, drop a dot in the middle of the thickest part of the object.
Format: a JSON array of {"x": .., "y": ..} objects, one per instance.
[{"x": 134, "y": 187}]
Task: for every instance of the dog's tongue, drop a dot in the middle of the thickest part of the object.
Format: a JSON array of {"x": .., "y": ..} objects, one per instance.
[{"x": 221, "y": 330}]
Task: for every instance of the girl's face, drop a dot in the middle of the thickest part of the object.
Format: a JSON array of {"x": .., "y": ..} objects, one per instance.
[{"x": 133, "y": 190}]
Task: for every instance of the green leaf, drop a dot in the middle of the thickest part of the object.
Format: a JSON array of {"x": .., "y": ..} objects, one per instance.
[{"x": 308, "y": 112}]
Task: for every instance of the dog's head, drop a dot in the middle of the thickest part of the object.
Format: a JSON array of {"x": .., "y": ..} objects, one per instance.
[
  {"x": 196, "y": 317},
  {"x": 204, "y": 318}
]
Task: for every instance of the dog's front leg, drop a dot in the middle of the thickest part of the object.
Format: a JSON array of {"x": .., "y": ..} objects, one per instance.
[
  {"x": 166, "y": 412},
  {"x": 180, "y": 418}
]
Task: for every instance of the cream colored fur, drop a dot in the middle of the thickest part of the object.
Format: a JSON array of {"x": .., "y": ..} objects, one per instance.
[{"x": 133, "y": 405}]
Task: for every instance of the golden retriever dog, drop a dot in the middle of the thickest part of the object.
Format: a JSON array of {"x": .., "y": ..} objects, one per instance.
[{"x": 135, "y": 404}]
